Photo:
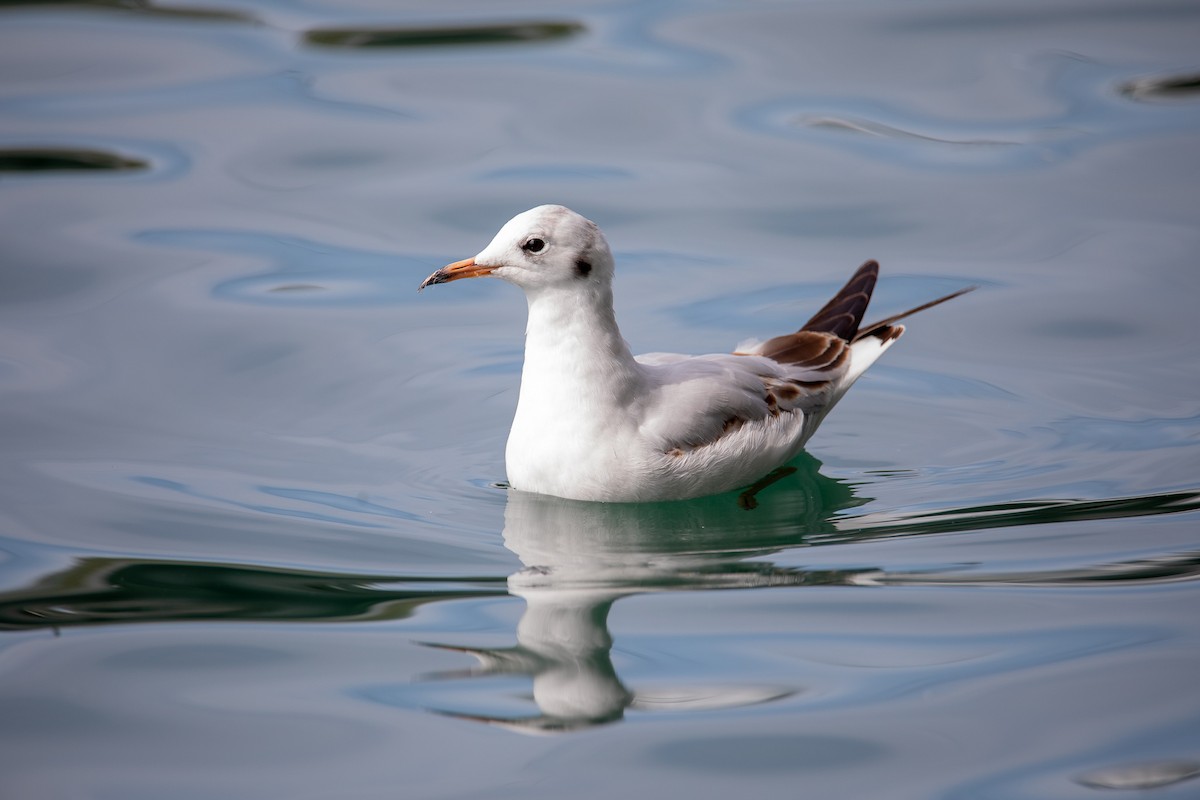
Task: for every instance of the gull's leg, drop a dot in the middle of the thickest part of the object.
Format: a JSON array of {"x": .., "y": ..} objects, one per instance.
[{"x": 747, "y": 500}]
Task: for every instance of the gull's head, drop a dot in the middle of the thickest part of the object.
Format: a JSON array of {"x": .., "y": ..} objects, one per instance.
[{"x": 544, "y": 247}]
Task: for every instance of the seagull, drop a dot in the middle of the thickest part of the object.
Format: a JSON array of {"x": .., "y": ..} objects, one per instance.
[{"x": 594, "y": 422}]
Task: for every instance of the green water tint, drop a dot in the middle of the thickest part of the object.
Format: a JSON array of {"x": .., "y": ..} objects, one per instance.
[{"x": 386, "y": 37}]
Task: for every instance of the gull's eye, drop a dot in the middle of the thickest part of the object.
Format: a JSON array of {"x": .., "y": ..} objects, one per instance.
[{"x": 534, "y": 245}]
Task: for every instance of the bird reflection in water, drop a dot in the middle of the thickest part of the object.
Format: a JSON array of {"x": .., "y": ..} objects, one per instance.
[{"x": 580, "y": 558}]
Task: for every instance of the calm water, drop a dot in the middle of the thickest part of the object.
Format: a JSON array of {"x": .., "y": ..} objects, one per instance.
[{"x": 252, "y": 538}]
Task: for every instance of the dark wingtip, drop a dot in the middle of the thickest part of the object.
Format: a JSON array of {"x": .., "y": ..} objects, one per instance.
[{"x": 842, "y": 315}]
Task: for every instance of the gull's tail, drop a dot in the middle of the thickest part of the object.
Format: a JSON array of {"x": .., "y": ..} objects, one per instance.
[
  {"x": 842, "y": 316},
  {"x": 836, "y": 330}
]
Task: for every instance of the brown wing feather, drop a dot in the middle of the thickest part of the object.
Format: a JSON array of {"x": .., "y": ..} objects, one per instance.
[
  {"x": 842, "y": 315},
  {"x": 808, "y": 349},
  {"x": 821, "y": 343}
]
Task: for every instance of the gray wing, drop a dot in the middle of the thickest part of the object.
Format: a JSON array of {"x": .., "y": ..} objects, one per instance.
[{"x": 698, "y": 400}]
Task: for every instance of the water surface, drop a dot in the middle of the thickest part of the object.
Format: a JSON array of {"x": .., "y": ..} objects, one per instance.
[{"x": 253, "y": 535}]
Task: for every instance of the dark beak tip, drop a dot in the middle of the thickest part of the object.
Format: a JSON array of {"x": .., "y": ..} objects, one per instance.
[{"x": 435, "y": 278}]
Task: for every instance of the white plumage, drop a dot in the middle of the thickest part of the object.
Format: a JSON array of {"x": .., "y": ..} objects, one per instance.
[{"x": 595, "y": 423}]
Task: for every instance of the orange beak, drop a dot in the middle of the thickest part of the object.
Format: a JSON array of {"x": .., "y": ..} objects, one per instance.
[{"x": 467, "y": 268}]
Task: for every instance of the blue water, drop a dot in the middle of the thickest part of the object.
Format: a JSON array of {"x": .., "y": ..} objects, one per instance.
[{"x": 254, "y": 540}]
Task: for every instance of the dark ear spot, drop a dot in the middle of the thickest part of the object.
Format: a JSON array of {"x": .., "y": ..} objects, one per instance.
[{"x": 582, "y": 268}]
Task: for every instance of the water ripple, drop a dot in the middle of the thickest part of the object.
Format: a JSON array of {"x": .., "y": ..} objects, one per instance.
[
  {"x": 1028, "y": 512},
  {"x": 453, "y": 36},
  {"x": 1141, "y": 775},
  {"x": 278, "y": 88},
  {"x": 1089, "y": 95},
  {"x": 142, "y": 8},
  {"x": 595, "y": 549},
  {"x": 305, "y": 272},
  {"x": 1128, "y": 435},
  {"x": 1159, "y": 568}
]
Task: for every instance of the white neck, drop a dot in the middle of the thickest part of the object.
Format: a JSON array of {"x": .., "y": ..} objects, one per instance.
[
  {"x": 572, "y": 344},
  {"x": 578, "y": 387}
]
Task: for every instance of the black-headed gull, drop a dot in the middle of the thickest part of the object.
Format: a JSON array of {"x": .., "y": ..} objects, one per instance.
[{"x": 594, "y": 422}]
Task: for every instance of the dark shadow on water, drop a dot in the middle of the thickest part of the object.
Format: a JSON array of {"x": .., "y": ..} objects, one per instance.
[
  {"x": 66, "y": 159},
  {"x": 1031, "y": 512},
  {"x": 442, "y": 36},
  {"x": 1164, "y": 87},
  {"x": 111, "y": 591}
]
